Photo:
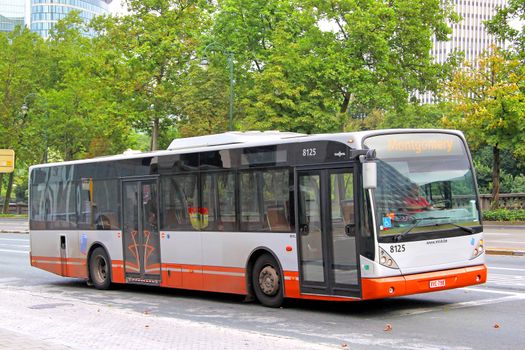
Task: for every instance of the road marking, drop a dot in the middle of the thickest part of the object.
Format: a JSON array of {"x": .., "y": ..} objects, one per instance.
[
  {"x": 491, "y": 291},
  {"x": 506, "y": 280},
  {"x": 14, "y": 239},
  {"x": 505, "y": 269},
  {"x": 517, "y": 296},
  {"x": 14, "y": 245},
  {"x": 465, "y": 304},
  {"x": 15, "y": 251}
]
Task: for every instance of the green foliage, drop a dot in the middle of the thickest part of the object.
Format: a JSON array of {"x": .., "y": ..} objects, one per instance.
[
  {"x": 488, "y": 104},
  {"x": 153, "y": 45},
  {"x": 504, "y": 215},
  {"x": 415, "y": 115},
  {"x": 505, "y": 25},
  {"x": 295, "y": 74},
  {"x": 203, "y": 100}
]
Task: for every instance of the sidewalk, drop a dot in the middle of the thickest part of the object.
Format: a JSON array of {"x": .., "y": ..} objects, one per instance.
[
  {"x": 504, "y": 238},
  {"x": 75, "y": 324},
  {"x": 10, "y": 340}
]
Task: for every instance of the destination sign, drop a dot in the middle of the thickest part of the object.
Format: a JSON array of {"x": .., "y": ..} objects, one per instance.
[{"x": 415, "y": 145}]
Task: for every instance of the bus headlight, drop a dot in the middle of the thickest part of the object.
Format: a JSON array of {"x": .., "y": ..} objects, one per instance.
[
  {"x": 478, "y": 250},
  {"x": 386, "y": 260}
]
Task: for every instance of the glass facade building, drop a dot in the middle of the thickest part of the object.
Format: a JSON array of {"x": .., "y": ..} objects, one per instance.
[
  {"x": 468, "y": 35},
  {"x": 45, "y": 13},
  {"x": 11, "y": 14}
]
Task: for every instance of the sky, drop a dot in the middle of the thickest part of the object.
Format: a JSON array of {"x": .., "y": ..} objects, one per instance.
[{"x": 116, "y": 7}]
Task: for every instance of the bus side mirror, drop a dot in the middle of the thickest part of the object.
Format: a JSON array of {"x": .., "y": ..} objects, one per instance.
[{"x": 369, "y": 175}]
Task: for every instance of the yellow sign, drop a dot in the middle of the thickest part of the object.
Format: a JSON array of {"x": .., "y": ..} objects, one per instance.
[{"x": 7, "y": 160}]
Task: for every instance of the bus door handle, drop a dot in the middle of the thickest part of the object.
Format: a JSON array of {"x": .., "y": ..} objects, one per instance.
[
  {"x": 350, "y": 230},
  {"x": 304, "y": 229}
]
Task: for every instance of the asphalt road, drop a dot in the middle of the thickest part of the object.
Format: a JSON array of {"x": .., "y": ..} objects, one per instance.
[{"x": 491, "y": 316}]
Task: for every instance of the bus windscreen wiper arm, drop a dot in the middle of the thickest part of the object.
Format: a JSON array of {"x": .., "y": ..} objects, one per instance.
[
  {"x": 417, "y": 220},
  {"x": 464, "y": 228}
]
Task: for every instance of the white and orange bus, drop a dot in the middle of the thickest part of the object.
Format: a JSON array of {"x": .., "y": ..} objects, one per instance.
[{"x": 270, "y": 215}]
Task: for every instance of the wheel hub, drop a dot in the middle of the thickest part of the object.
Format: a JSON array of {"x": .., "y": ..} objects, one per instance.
[
  {"x": 269, "y": 280},
  {"x": 100, "y": 269}
]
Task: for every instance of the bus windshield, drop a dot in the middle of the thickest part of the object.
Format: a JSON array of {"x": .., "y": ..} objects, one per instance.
[{"x": 425, "y": 186}]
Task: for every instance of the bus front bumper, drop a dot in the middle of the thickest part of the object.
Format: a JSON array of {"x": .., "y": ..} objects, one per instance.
[{"x": 377, "y": 288}]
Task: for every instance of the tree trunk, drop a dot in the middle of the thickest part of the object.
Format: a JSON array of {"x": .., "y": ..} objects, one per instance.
[
  {"x": 343, "y": 110},
  {"x": 8, "y": 193},
  {"x": 495, "y": 177},
  {"x": 346, "y": 102},
  {"x": 155, "y": 135}
]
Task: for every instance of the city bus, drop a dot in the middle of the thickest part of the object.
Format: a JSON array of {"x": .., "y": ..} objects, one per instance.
[{"x": 269, "y": 215}]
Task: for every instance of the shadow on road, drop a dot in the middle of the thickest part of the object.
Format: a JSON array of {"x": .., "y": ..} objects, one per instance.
[{"x": 177, "y": 301}]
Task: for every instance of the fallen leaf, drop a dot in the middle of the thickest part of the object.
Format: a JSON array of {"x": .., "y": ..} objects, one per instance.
[
  {"x": 388, "y": 327},
  {"x": 496, "y": 325},
  {"x": 344, "y": 345}
]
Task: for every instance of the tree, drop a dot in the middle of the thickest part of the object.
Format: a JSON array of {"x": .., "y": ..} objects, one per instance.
[
  {"x": 415, "y": 115},
  {"x": 202, "y": 103},
  {"x": 314, "y": 65},
  {"x": 155, "y": 43},
  {"x": 507, "y": 25},
  {"x": 22, "y": 72},
  {"x": 489, "y": 106},
  {"x": 81, "y": 118}
]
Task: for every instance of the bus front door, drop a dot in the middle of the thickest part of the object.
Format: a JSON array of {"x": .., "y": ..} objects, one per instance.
[
  {"x": 326, "y": 231},
  {"x": 140, "y": 232}
]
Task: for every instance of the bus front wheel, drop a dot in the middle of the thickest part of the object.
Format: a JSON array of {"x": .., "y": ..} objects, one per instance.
[
  {"x": 100, "y": 269},
  {"x": 267, "y": 281}
]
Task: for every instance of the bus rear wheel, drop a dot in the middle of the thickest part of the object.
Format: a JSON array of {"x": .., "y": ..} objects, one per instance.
[
  {"x": 267, "y": 281},
  {"x": 100, "y": 269}
]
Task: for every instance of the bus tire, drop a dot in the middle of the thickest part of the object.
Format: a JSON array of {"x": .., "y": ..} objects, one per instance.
[
  {"x": 267, "y": 281},
  {"x": 100, "y": 269}
]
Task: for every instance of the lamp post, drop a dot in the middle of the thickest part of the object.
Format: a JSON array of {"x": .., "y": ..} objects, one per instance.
[
  {"x": 25, "y": 110},
  {"x": 229, "y": 55}
]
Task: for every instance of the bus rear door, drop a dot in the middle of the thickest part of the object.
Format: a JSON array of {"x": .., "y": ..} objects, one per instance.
[
  {"x": 140, "y": 231},
  {"x": 326, "y": 231}
]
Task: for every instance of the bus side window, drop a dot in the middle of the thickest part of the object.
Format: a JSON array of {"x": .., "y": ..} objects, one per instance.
[
  {"x": 269, "y": 190},
  {"x": 180, "y": 202}
]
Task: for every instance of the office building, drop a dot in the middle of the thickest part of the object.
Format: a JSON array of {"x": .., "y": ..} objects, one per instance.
[
  {"x": 11, "y": 14},
  {"x": 41, "y": 15},
  {"x": 468, "y": 35}
]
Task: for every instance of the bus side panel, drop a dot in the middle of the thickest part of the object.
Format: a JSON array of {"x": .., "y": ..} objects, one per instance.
[
  {"x": 112, "y": 242},
  {"x": 58, "y": 252},
  {"x": 226, "y": 255},
  {"x": 49, "y": 253},
  {"x": 216, "y": 261},
  {"x": 181, "y": 254}
]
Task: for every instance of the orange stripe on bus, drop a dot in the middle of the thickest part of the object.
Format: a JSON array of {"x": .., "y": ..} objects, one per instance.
[{"x": 52, "y": 258}]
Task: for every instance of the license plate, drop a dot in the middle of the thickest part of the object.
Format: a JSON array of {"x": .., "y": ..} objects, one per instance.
[{"x": 437, "y": 283}]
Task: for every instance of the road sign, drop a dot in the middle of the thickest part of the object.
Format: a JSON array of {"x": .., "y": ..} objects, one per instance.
[{"x": 7, "y": 160}]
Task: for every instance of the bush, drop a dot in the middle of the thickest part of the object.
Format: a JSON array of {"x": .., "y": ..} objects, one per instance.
[{"x": 504, "y": 215}]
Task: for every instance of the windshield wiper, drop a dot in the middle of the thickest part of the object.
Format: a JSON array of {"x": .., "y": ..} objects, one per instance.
[
  {"x": 417, "y": 220},
  {"x": 464, "y": 228}
]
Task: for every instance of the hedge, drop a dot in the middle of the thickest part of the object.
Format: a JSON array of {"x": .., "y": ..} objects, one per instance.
[{"x": 504, "y": 215}]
